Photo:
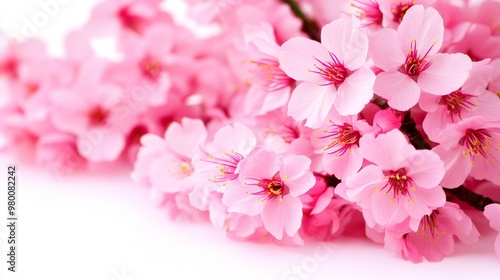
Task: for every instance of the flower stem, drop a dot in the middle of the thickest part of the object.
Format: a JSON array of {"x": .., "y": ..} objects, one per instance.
[
  {"x": 309, "y": 26},
  {"x": 473, "y": 199}
]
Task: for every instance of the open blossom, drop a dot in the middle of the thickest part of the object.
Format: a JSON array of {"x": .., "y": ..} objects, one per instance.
[
  {"x": 270, "y": 186},
  {"x": 231, "y": 144},
  {"x": 338, "y": 142},
  {"x": 472, "y": 99},
  {"x": 434, "y": 238},
  {"x": 410, "y": 59},
  {"x": 331, "y": 72},
  {"x": 470, "y": 147},
  {"x": 398, "y": 185},
  {"x": 492, "y": 213}
]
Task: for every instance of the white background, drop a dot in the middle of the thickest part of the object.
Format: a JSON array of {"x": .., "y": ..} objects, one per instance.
[{"x": 103, "y": 226}]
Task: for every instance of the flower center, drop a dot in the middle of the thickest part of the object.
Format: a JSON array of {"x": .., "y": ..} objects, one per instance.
[
  {"x": 343, "y": 138},
  {"x": 415, "y": 63},
  {"x": 479, "y": 143},
  {"x": 151, "y": 68},
  {"x": 456, "y": 102},
  {"x": 98, "y": 116},
  {"x": 184, "y": 168},
  {"x": 429, "y": 226},
  {"x": 271, "y": 188},
  {"x": 333, "y": 72},
  {"x": 128, "y": 20},
  {"x": 399, "y": 184},
  {"x": 269, "y": 76},
  {"x": 368, "y": 12},
  {"x": 399, "y": 10},
  {"x": 226, "y": 166}
]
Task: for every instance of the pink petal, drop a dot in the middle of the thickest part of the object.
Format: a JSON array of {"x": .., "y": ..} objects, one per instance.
[
  {"x": 423, "y": 201},
  {"x": 240, "y": 199},
  {"x": 423, "y": 25},
  {"x": 400, "y": 90},
  {"x": 447, "y": 73},
  {"x": 297, "y": 58},
  {"x": 98, "y": 145},
  {"x": 385, "y": 50},
  {"x": 457, "y": 166},
  {"x": 361, "y": 186},
  {"x": 385, "y": 210},
  {"x": 380, "y": 150},
  {"x": 355, "y": 92},
  {"x": 296, "y": 174},
  {"x": 311, "y": 102},
  {"x": 262, "y": 164},
  {"x": 344, "y": 38},
  {"x": 492, "y": 213},
  {"x": 185, "y": 138},
  {"x": 425, "y": 169},
  {"x": 345, "y": 165},
  {"x": 282, "y": 215},
  {"x": 323, "y": 201}
]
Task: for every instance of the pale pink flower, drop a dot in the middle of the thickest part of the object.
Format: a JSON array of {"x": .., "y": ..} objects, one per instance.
[
  {"x": 471, "y": 99},
  {"x": 231, "y": 144},
  {"x": 270, "y": 87},
  {"x": 398, "y": 185},
  {"x": 434, "y": 238},
  {"x": 270, "y": 187},
  {"x": 492, "y": 213},
  {"x": 470, "y": 147},
  {"x": 410, "y": 60},
  {"x": 331, "y": 72},
  {"x": 338, "y": 142},
  {"x": 90, "y": 109}
]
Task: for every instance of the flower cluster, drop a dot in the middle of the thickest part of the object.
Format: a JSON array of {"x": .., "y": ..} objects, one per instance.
[{"x": 384, "y": 121}]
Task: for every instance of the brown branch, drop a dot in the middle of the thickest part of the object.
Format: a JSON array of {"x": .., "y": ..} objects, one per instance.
[
  {"x": 309, "y": 26},
  {"x": 468, "y": 196}
]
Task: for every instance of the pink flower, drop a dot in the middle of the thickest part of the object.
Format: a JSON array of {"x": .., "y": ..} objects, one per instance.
[
  {"x": 401, "y": 183},
  {"x": 492, "y": 213},
  {"x": 90, "y": 109},
  {"x": 472, "y": 99},
  {"x": 470, "y": 147},
  {"x": 270, "y": 86},
  {"x": 331, "y": 72},
  {"x": 434, "y": 238},
  {"x": 270, "y": 187},
  {"x": 338, "y": 141},
  {"x": 410, "y": 60},
  {"x": 231, "y": 144}
]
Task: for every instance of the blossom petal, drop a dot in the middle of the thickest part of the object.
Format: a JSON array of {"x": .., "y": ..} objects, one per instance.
[
  {"x": 311, "y": 102},
  {"x": 385, "y": 51},
  {"x": 355, "y": 92},
  {"x": 295, "y": 173},
  {"x": 298, "y": 56},
  {"x": 400, "y": 90},
  {"x": 282, "y": 215},
  {"x": 424, "y": 26},
  {"x": 447, "y": 73}
]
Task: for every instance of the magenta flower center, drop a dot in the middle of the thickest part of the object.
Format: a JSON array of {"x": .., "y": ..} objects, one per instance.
[
  {"x": 128, "y": 20},
  {"x": 368, "y": 12},
  {"x": 333, "y": 72},
  {"x": 151, "y": 68},
  {"x": 226, "y": 166},
  {"x": 399, "y": 10},
  {"x": 415, "y": 63},
  {"x": 429, "y": 228},
  {"x": 272, "y": 188},
  {"x": 479, "y": 143},
  {"x": 456, "y": 102},
  {"x": 269, "y": 75},
  {"x": 343, "y": 138},
  {"x": 399, "y": 184},
  {"x": 98, "y": 116}
]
